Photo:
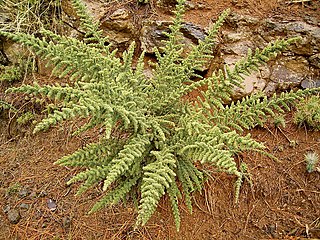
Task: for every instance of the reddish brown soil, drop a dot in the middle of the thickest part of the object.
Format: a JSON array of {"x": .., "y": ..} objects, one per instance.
[{"x": 282, "y": 203}]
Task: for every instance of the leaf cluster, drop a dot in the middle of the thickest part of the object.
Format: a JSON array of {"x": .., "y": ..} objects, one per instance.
[
  {"x": 153, "y": 141},
  {"x": 308, "y": 112}
]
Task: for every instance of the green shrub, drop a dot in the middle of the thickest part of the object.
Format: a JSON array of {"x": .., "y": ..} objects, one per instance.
[
  {"x": 153, "y": 139},
  {"x": 308, "y": 113},
  {"x": 312, "y": 159},
  {"x": 10, "y": 73}
]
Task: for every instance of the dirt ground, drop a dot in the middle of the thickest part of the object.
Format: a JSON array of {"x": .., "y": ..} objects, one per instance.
[{"x": 282, "y": 203}]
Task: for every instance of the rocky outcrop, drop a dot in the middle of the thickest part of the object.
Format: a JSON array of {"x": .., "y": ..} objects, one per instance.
[
  {"x": 297, "y": 67},
  {"x": 289, "y": 72},
  {"x": 300, "y": 64},
  {"x": 119, "y": 26},
  {"x": 152, "y": 35}
]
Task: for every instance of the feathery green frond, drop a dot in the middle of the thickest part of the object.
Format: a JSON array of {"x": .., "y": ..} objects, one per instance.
[
  {"x": 156, "y": 179},
  {"x": 118, "y": 193},
  {"x": 191, "y": 179},
  {"x": 174, "y": 195},
  {"x": 132, "y": 151},
  {"x": 88, "y": 25},
  {"x": 203, "y": 51},
  {"x": 91, "y": 155}
]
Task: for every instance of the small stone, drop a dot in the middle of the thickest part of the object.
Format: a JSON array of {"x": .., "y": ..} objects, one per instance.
[
  {"x": 265, "y": 72},
  {"x": 14, "y": 216},
  {"x": 238, "y": 48},
  {"x": 193, "y": 32},
  {"x": 190, "y": 5},
  {"x": 118, "y": 27},
  {"x": 270, "y": 88},
  {"x": 147, "y": 72},
  {"x": 259, "y": 85},
  {"x": 235, "y": 19},
  {"x": 51, "y": 205},
  {"x": 251, "y": 84},
  {"x": 232, "y": 37},
  {"x": 289, "y": 72},
  {"x": 14, "y": 52},
  {"x": 153, "y": 34},
  {"x": 24, "y": 193},
  {"x": 309, "y": 83},
  {"x": 3, "y": 59},
  {"x": 315, "y": 60},
  {"x": 246, "y": 89},
  {"x": 24, "y": 206}
]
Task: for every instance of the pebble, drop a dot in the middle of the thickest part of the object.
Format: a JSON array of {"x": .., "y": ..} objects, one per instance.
[
  {"x": 13, "y": 216},
  {"x": 51, "y": 205},
  {"x": 24, "y": 206},
  {"x": 24, "y": 193},
  {"x": 309, "y": 83}
]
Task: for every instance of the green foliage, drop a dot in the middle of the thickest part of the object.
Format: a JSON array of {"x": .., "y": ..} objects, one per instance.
[
  {"x": 308, "y": 112},
  {"x": 153, "y": 141},
  {"x": 10, "y": 73},
  {"x": 5, "y": 106},
  {"x": 29, "y": 15},
  {"x": 25, "y": 118},
  {"x": 15, "y": 72},
  {"x": 279, "y": 121},
  {"x": 245, "y": 175},
  {"x": 312, "y": 159},
  {"x": 13, "y": 188}
]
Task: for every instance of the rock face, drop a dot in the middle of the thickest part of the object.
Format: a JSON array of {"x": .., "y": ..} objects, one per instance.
[
  {"x": 299, "y": 67},
  {"x": 3, "y": 58},
  {"x": 308, "y": 83},
  {"x": 289, "y": 72},
  {"x": 24, "y": 193},
  {"x": 153, "y": 33},
  {"x": 14, "y": 52},
  {"x": 310, "y": 35},
  {"x": 118, "y": 26},
  {"x": 314, "y": 60}
]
